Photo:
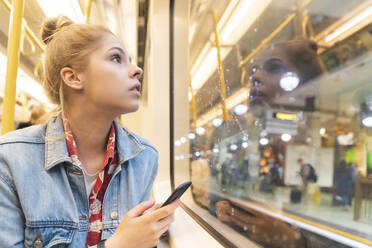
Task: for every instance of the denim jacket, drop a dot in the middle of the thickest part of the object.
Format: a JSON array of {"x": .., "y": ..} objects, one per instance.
[{"x": 43, "y": 200}]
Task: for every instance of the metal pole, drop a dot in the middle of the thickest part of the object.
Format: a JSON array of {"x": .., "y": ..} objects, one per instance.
[
  {"x": 12, "y": 66},
  {"x": 89, "y": 7},
  {"x": 29, "y": 32},
  {"x": 226, "y": 115},
  {"x": 193, "y": 102}
]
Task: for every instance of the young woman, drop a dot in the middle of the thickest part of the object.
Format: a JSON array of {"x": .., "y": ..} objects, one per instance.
[{"x": 81, "y": 180}]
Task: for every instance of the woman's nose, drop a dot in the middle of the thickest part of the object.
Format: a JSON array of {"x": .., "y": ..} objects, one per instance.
[{"x": 136, "y": 72}]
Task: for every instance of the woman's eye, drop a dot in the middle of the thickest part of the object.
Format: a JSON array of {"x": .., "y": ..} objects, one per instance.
[{"x": 116, "y": 58}]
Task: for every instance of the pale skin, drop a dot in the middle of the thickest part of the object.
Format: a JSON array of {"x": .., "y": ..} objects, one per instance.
[{"x": 106, "y": 88}]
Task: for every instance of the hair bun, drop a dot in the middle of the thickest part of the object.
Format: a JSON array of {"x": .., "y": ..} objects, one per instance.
[{"x": 52, "y": 25}]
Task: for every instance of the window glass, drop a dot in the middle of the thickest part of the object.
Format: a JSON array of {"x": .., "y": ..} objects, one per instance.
[{"x": 279, "y": 139}]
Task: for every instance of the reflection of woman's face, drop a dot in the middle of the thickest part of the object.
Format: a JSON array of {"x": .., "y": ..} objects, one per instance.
[{"x": 265, "y": 75}]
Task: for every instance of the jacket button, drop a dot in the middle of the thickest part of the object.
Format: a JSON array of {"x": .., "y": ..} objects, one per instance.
[
  {"x": 114, "y": 215},
  {"x": 38, "y": 242}
]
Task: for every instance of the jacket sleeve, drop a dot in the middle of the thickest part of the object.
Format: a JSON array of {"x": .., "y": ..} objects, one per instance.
[{"x": 11, "y": 220}]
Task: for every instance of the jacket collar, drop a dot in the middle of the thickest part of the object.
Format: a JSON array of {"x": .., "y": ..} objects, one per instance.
[{"x": 127, "y": 145}]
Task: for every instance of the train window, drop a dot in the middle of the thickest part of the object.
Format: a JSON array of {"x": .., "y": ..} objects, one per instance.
[{"x": 276, "y": 130}]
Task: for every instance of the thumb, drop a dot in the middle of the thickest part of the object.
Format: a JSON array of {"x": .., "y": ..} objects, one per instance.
[{"x": 140, "y": 208}]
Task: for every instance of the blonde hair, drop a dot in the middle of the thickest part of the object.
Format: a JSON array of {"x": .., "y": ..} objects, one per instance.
[{"x": 67, "y": 45}]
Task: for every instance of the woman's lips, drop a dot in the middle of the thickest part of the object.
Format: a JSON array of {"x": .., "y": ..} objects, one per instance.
[{"x": 136, "y": 89}]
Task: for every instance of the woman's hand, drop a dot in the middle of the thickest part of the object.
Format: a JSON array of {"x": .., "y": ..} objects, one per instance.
[{"x": 143, "y": 225}]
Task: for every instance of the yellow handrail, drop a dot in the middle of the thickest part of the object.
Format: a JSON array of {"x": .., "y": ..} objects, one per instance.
[
  {"x": 268, "y": 39},
  {"x": 32, "y": 45},
  {"x": 226, "y": 115},
  {"x": 89, "y": 7},
  {"x": 28, "y": 30},
  {"x": 193, "y": 102},
  {"x": 272, "y": 35},
  {"x": 12, "y": 66}
]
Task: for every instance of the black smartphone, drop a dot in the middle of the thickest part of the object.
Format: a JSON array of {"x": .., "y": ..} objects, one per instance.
[{"x": 177, "y": 193}]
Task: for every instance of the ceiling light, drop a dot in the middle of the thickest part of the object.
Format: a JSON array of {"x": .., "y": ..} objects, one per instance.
[
  {"x": 289, "y": 81},
  {"x": 191, "y": 136},
  {"x": 240, "y": 109},
  {"x": 233, "y": 24},
  {"x": 69, "y": 8},
  {"x": 217, "y": 122},
  {"x": 367, "y": 121},
  {"x": 183, "y": 140},
  {"x": 245, "y": 144},
  {"x": 177, "y": 143},
  {"x": 350, "y": 25},
  {"x": 200, "y": 130},
  {"x": 233, "y": 147},
  {"x": 215, "y": 150},
  {"x": 264, "y": 141},
  {"x": 286, "y": 137}
]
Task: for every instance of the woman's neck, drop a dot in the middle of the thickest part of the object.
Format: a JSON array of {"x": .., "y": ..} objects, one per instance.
[{"x": 90, "y": 133}]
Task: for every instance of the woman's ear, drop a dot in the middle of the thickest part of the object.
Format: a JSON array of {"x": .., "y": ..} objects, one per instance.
[{"x": 71, "y": 78}]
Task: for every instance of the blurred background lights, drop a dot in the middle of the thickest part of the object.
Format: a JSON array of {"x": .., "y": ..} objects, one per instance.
[
  {"x": 289, "y": 81},
  {"x": 322, "y": 131},
  {"x": 264, "y": 141},
  {"x": 191, "y": 136},
  {"x": 233, "y": 147},
  {"x": 245, "y": 144},
  {"x": 183, "y": 140},
  {"x": 200, "y": 130},
  {"x": 367, "y": 121},
  {"x": 217, "y": 122},
  {"x": 286, "y": 137},
  {"x": 240, "y": 109}
]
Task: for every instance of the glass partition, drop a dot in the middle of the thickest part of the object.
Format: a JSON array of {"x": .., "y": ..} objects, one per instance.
[{"x": 277, "y": 138}]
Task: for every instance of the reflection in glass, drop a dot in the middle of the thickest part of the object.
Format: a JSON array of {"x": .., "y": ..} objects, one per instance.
[{"x": 290, "y": 164}]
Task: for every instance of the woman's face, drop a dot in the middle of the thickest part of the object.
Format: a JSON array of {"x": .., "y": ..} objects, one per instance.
[
  {"x": 111, "y": 81},
  {"x": 265, "y": 75}
]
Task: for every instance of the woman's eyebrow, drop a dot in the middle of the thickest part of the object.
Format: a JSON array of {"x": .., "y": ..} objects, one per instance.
[{"x": 122, "y": 52}]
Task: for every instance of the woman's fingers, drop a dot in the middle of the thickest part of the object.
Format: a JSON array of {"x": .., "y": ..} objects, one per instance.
[
  {"x": 166, "y": 221},
  {"x": 163, "y": 212},
  {"x": 140, "y": 208}
]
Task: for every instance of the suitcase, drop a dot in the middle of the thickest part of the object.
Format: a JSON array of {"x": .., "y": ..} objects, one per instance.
[{"x": 296, "y": 195}]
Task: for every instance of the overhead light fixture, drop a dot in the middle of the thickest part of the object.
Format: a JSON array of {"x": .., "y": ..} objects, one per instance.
[
  {"x": 264, "y": 141},
  {"x": 286, "y": 137},
  {"x": 367, "y": 121},
  {"x": 289, "y": 81},
  {"x": 350, "y": 25},
  {"x": 183, "y": 140},
  {"x": 69, "y": 8},
  {"x": 240, "y": 109},
  {"x": 245, "y": 144},
  {"x": 346, "y": 25},
  {"x": 191, "y": 136},
  {"x": 237, "y": 18},
  {"x": 200, "y": 130},
  {"x": 217, "y": 122},
  {"x": 233, "y": 147},
  {"x": 177, "y": 143}
]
